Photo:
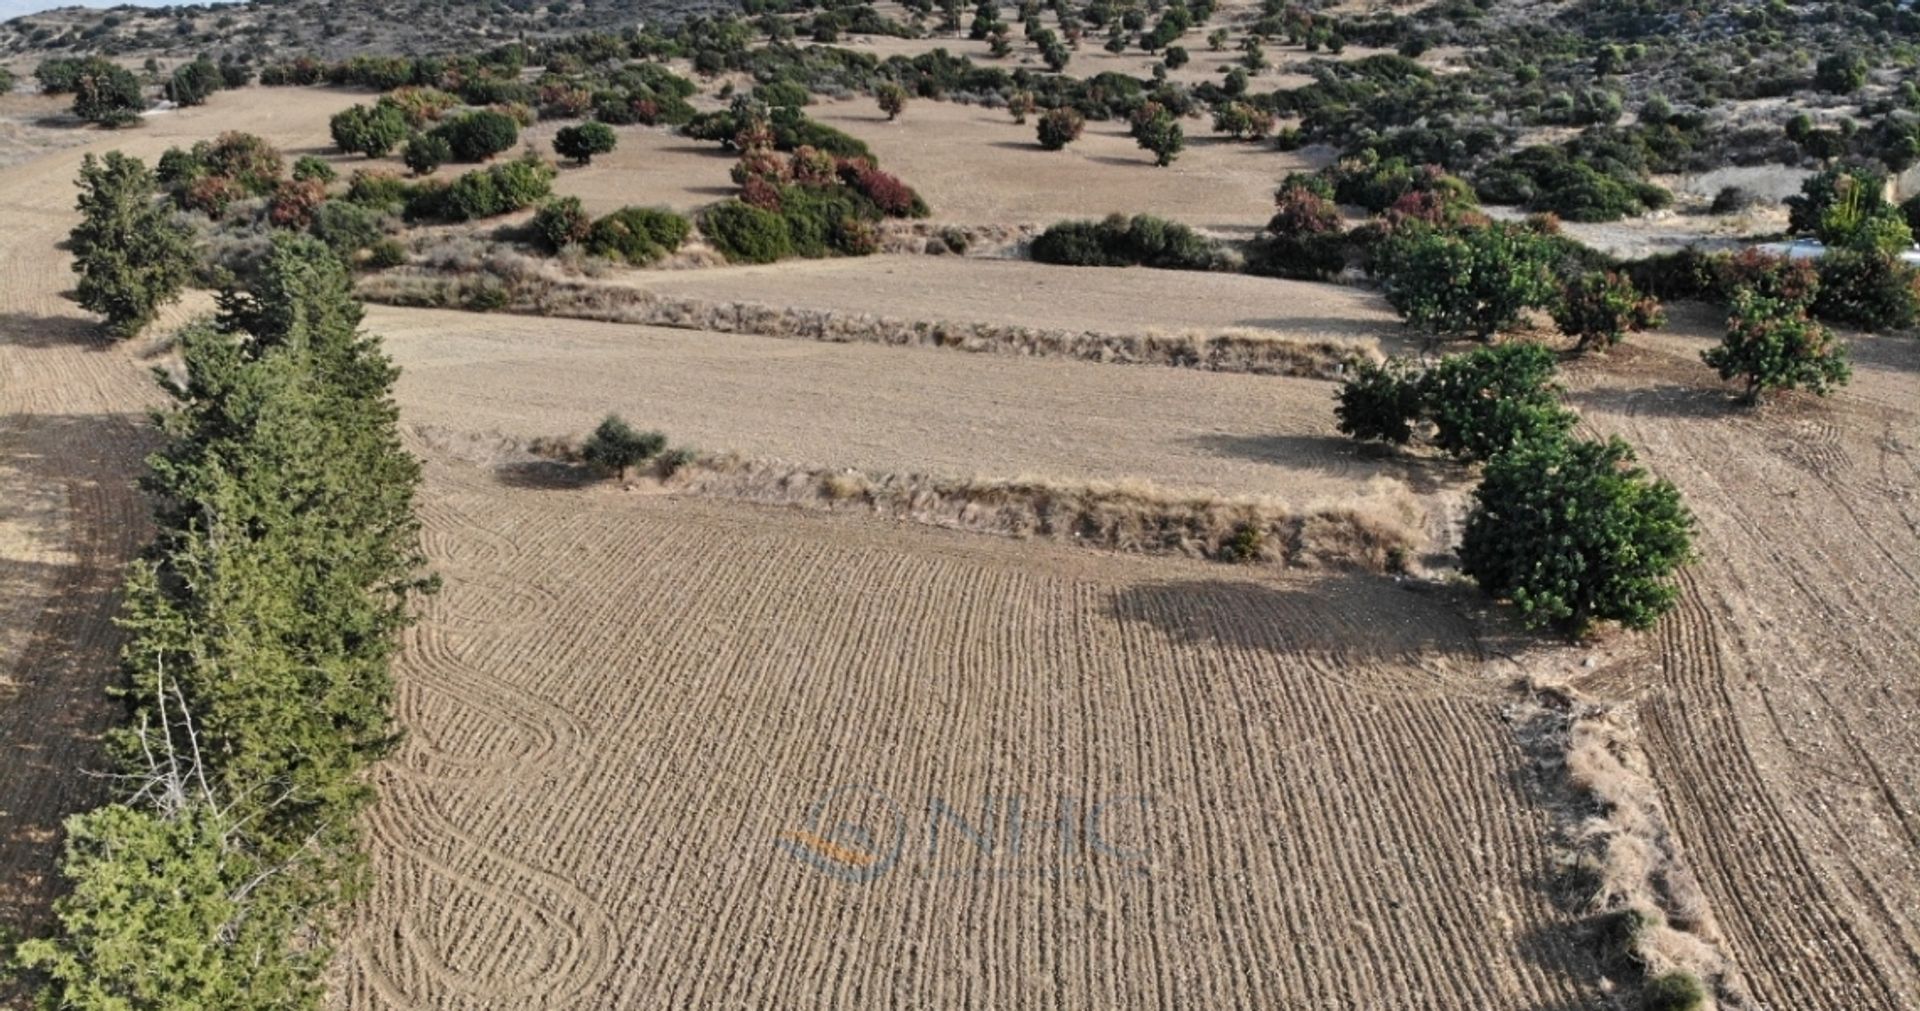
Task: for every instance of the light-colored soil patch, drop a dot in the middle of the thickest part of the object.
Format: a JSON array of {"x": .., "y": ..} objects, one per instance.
[
  {"x": 878, "y": 408},
  {"x": 973, "y": 164}
]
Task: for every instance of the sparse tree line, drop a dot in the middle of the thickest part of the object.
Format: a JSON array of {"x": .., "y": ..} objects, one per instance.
[{"x": 262, "y": 622}]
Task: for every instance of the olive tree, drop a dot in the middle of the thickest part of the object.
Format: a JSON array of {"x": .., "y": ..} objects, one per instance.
[
  {"x": 615, "y": 447},
  {"x": 1774, "y": 345}
]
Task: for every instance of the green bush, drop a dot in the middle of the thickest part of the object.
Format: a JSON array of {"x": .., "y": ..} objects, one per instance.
[
  {"x": 615, "y": 447},
  {"x": 483, "y": 193},
  {"x": 310, "y": 167},
  {"x": 193, "y": 83},
  {"x": 1119, "y": 241},
  {"x": 1573, "y": 534},
  {"x": 1868, "y": 289},
  {"x": 562, "y": 222},
  {"x": 582, "y": 141},
  {"x": 425, "y": 153},
  {"x": 478, "y": 135},
  {"x": 107, "y": 94},
  {"x": 1599, "y": 309},
  {"x": 370, "y": 130},
  {"x": 1156, "y": 129},
  {"x": 782, "y": 93},
  {"x": 1473, "y": 283},
  {"x": 746, "y": 234},
  {"x": 345, "y": 227},
  {"x": 1673, "y": 991},
  {"x": 1488, "y": 400},
  {"x": 1380, "y": 401},
  {"x": 1060, "y": 127},
  {"x": 1772, "y": 344},
  {"x": 637, "y": 235}
]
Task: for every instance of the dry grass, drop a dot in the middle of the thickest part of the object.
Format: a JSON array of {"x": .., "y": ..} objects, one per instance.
[{"x": 518, "y": 283}]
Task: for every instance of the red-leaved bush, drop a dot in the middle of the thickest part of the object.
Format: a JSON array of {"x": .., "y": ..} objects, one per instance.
[
  {"x": 760, "y": 193},
  {"x": 295, "y": 202}
]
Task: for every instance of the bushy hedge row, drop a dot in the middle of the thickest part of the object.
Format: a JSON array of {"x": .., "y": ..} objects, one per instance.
[
  {"x": 257, "y": 678},
  {"x": 482, "y": 193},
  {"x": 1120, "y": 241}
]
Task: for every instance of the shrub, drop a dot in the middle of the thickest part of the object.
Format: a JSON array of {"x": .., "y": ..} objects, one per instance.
[
  {"x": 1490, "y": 399},
  {"x": 1309, "y": 257},
  {"x": 615, "y": 447},
  {"x": 1379, "y": 401},
  {"x": 1600, "y": 308},
  {"x": 1734, "y": 199},
  {"x": 1855, "y": 190},
  {"x": 370, "y": 130},
  {"x": 345, "y": 227},
  {"x": 386, "y": 253},
  {"x": 483, "y": 193},
  {"x": 1572, "y": 533},
  {"x": 637, "y": 235},
  {"x": 1301, "y": 210},
  {"x": 310, "y": 167},
  {"x": 425, "y": 153},
  {"x": 1840, "y": 73},
  {"x": 381, "y": 190},
  {"x": 1791, "y": 282},
  {"x": 779, "y": 93},
  {"x": 1475, "y": 283},
  {"x": 1867, "y": 288},
  {"x": 193, "y": 83},
  {"x": 418, "y": 106},
  {"x": 244, "y": 158},
  {"x": 478, "y": 135},
  {"x": 582, "y": 142},
  {"x": 1772, "y": 344},
  {"x": 1673, "y": 991},
  {"x": 1060, "y": 127},
  {"x": 562, "y": 222},
  {"x": 1022, "y": 105},
  {"x": 1119, "y": 241},
  {"x": 295, "y": 202},
  {"x": 131, "y": 257},
  {"x": 893, "y": 197},
  {"x": 1243, "y": 121},
  {"x": 892, "y": 99},
  {"x": 746, "y": 234},
  {"x": 210, "y": 195}
]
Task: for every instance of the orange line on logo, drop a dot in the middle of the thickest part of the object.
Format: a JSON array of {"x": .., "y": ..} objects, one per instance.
[{"x": 831, "y": 850}]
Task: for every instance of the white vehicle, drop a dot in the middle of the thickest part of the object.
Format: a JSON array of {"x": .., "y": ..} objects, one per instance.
[{"x": 1813, "y": 249}]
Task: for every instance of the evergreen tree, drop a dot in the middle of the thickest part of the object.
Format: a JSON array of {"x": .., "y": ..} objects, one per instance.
[{"x": 131, "y": 256}]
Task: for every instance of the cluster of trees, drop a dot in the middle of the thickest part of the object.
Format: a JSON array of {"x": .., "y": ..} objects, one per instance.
[
  {"x": 1120, "y": 241},
  {"x": 1567, "y": 529},
  {"x": 257, "y": 680},
  {"x": 634, "y": 235},
  {"x": 812, "y": 202},
  {"x": 104, "y": 93},
  {"x": 482, "y": 193}
]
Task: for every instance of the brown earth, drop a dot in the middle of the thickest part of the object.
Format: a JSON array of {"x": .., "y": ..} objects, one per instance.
[{"x": 624, "y": 704}]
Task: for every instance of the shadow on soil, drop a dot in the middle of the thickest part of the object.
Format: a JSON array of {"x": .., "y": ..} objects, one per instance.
[
  {"x": 544, "y": 475},
  {"x": 1350, "y": 614},
  {"x": 18, "y": 329},
  {"x": 53, "y": 701}
]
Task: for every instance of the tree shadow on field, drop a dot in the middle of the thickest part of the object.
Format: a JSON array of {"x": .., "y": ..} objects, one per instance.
[
  {"x": 1348, "y": 614},
  {"x": 714, "y": 151},
  {"x": 544, "y": 475},
  {"x": 1017, "y": 145},
  {"x": 26, "y": 330},
  {"x": 1660, "y": 400},
  {"x": 76, "y": 521}
]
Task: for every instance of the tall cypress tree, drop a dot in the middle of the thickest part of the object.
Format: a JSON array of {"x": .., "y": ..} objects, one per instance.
[{"x": 132, "y": 257}]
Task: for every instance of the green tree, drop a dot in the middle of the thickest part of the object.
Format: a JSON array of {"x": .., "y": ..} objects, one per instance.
[
  {"x": 1572, "y": 533},
  {"x": 131, "y": 256},
  {"x": 479, "y": 135},
  {"x": 1060, "y": 127},
  {"x": 1774, "y": 345},
  {"x": 192, "y": 83},
  {"x": 107, "y": 94},
  {"x": 372, "y": 130},
  {"x": 426, "y": 152},
  {"x": 582, "y": 141},
  {"x": 892, "y": 99},
  {"x": 1470, "y": 284},
  {"x": 615, "y": 447},
  {"x": 1157, "y": 130},
  {"x": 1485, "y": 401},
  {"x": 1841, "y": 73}
]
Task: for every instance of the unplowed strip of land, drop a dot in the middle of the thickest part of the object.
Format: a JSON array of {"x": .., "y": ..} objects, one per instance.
[
  {"x": 1038, "y": 295},
  {"x": 886, "y": 409},
  {"x": 1784, "y": 720},
  {"x": 622, "y": 708}
]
